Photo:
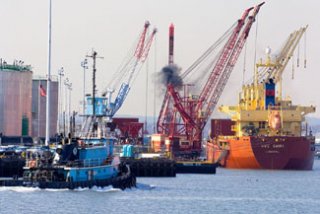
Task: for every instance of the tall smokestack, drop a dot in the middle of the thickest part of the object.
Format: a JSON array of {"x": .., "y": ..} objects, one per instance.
[{"x": 171, "y": 43}]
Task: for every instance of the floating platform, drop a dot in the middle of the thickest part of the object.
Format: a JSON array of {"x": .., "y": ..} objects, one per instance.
[
  {"x": 11, "y": 166},
  {"x": 196, "y": 167},
  {"x": 151, "y": 167}
]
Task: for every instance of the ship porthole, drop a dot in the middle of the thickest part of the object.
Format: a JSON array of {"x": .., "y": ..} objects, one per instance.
[{"x": 75, "y": 151}]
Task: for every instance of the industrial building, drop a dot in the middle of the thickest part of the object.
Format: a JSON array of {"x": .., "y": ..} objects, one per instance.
[
  {"x": 39, "y": 87},
  {"x": 22, "y": 106}
]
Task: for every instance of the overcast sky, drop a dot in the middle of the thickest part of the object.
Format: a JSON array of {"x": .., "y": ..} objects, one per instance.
[{"x": 111, "y": 27}]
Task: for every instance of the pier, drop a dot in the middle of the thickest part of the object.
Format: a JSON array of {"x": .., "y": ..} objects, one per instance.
[{"x": 151, "y": 167}]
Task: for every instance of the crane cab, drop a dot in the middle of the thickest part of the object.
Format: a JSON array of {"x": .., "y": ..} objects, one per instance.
[{"x": 100, "y": 106}]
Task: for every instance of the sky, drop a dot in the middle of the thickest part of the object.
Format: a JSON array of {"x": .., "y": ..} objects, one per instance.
[{"x": 110, "y": 27}]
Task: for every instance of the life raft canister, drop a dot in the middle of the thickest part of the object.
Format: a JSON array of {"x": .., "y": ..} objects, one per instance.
[
  {"x": 274, "y": 120},
  {"x": 32, "y": 164}
]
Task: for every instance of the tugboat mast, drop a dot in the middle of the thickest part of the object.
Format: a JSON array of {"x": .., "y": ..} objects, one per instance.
[{"x": 94, "y": 57}]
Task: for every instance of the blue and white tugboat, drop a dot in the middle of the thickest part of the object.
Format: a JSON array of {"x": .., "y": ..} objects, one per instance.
[
  {"x": 82, "y": 162},
  {"x": 85, "y": 161}
]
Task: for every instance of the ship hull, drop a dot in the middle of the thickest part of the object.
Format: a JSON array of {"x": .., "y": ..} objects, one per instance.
[{"x": 278, "y": 152}]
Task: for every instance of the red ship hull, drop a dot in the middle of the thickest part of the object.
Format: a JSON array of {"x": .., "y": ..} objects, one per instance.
[{"x": 278, "y": 152}]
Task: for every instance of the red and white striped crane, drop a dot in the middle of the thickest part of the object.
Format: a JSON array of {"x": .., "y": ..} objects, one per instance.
[{"x": 184, "y": 117}]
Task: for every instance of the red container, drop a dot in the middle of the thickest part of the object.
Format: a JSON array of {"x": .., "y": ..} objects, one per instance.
[{"x": 221, "y": 127}]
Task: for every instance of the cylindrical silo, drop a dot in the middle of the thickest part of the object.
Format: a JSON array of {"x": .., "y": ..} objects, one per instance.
[{"x": 15, "y": 99}]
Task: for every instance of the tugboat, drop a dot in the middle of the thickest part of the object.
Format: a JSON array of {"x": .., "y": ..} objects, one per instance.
[
  {"x": 85, "y": 161},
  {"x": 78, "y": 163}
]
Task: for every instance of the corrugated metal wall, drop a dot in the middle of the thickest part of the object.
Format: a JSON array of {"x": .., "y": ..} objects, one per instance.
[{"x": 15, "y": 101}]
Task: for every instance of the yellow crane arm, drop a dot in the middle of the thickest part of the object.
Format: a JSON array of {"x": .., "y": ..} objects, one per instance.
[{"x": 286, "y": 54}]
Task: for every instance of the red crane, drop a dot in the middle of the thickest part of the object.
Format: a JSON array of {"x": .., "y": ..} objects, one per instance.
[
  {"x": 123, "y": 79},
  {"x": 184, "y": 117}
]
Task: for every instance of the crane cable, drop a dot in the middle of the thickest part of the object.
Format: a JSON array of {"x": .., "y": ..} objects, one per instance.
[
  {"x": 244, "y": 63},
  {"x": 155, "y": 88},
  {"x": 197, "y": 73},
  {"x": 255, "y": 49},
  {"x": 208, "y": 51},
  {"x": 305, "y": 49},
  {"x": 251, "y": 80},
  {"x": 139, "y": 63},
  {"x": 146, "y": 96},
  {"x": 122, "y": 69},
  {"x": 298, "y": 55},
  {"x": 292, "y": 76}
]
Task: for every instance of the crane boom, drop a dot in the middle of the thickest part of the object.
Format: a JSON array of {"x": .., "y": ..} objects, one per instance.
[
  {"x": 208, "y": 91},
  {"x": 218, "y": 88},
  {"x": 140, "y": 46},
  {"x": 195, "y": 110},
  {"x": 166, "y": 115},
  {"x": 128, "y": 72},
  {"x": 178, "y": 104},
  {"x": 169, "y": 97},
  {"x": 147, "y": 47},
  {"x": 286, "y": 54},
  {"x": 222, "y": 60}
]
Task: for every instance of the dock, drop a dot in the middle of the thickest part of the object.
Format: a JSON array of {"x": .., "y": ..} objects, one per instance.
[
  {"x": 151, "y": 167},
  {"x": 196, "y": 167},
  {"x": 165, "y": 167}
]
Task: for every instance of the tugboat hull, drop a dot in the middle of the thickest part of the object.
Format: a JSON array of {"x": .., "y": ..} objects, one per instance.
[
  {"x": 11, "y": 166},
  {"x": 121, "y": 182}
]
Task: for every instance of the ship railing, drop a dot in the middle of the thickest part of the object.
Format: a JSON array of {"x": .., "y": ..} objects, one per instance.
[
  {"x": 90, "y": 162},
  {"x": 98, "y": 135},
  {"x": 37, "y": 158},
  {"x": 281, "y": 108},
  {"x": 54, "y": 78},
  {"x": 137, "y": 148}
]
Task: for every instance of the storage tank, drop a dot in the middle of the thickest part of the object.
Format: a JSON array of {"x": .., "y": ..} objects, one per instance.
[
  {"x": 15, "y": 99},
  {"x": 130, "y": 151},
  {"x": 39, "y": 106},
  {"x": 124, "y": 150}
]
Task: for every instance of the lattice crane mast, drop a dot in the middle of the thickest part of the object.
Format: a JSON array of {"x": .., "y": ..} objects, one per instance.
[
  {"x": 167, "y": 105},
  {"x": 216, "y": 90},
  {"x": 167, "y": 116},
  {"x": 128, "y": 72},
  {"x": 195, "y": 114}
]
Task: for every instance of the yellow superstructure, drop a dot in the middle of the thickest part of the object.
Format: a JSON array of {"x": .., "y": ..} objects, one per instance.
[{"x": 262, "y": 110}]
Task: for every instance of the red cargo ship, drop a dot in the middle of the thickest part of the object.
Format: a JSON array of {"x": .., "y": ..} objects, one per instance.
[
  {"x": 265, "y": 131},
  {"x": 257, "y": 152}
]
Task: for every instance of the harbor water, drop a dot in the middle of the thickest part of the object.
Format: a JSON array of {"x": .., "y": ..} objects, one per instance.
[{"x": 228, "y": 191}]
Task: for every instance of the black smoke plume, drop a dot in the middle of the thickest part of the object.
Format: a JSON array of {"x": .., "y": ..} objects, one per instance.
[{"x": 170, "y": 74}]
